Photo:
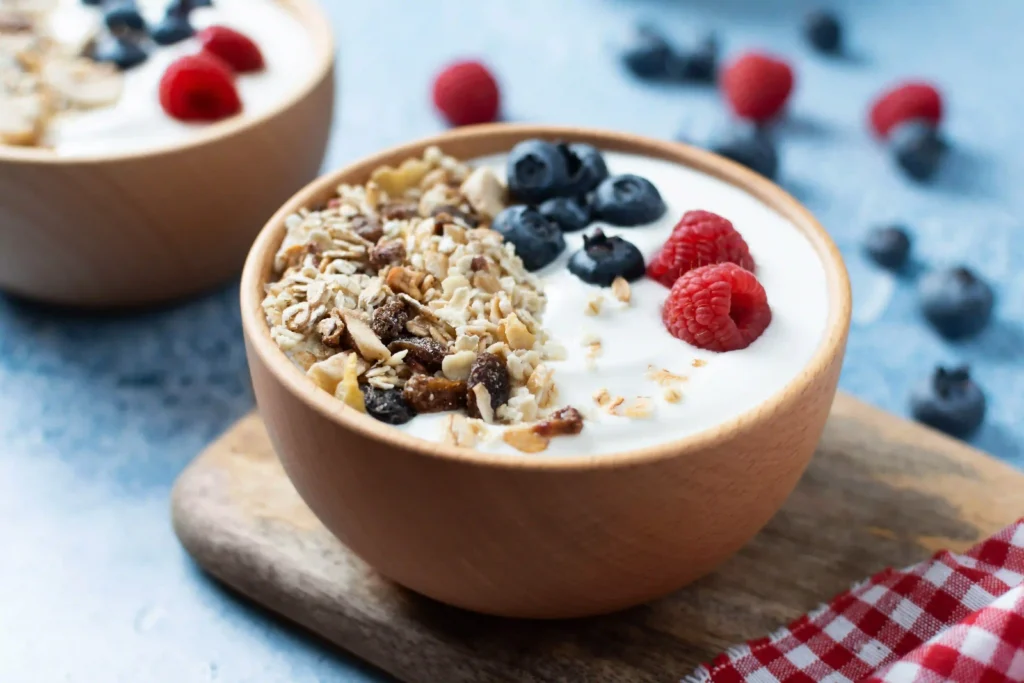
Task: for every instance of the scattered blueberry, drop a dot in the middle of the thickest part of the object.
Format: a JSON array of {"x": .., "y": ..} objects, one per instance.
[
  {"x": 949, "y": 401},
  {"x": 92, "y": 3},
  {"x": 569, "y": 213},
  {"x": 182, "y": 8},
  {"x": 603, "y": 258},
  {"x": 649, "y": 56},
  {"x": 537, "y": 240},
  {"x": 124, "y": 16},
  {"x": 956, "y": 302},
  {"x": 586, "y": 167},
  {"x": 823, "y": 31},
  {"x": 752, "y": 148},
  {"x": 121, "y": 52},
  {"x": 627, "y": 200},
  {"x": 387, "y": 405},
  {"x": 172, "y": 29},
  {"x": 537, "y": 170},
  {"x": 888, "y": 246},
  {"x": 918, "y": 148},
  {"x": 699, "y": 65}
]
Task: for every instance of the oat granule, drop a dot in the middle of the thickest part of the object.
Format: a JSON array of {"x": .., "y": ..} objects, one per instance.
[{"x": 405, "y": 275}]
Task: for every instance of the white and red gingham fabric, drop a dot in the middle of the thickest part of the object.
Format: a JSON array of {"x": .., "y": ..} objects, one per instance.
[{"x": 954, "y": 618}]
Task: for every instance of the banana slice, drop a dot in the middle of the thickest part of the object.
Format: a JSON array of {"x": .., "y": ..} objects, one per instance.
[
  {"x": 22, "y": 119},
  {"x": 82, "y": 83}
]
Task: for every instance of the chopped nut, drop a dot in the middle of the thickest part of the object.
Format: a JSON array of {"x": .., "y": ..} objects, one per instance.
[
  {"x": 400, "y": 211},
  {"x": 388, "y": 321},
  {"x": 564, "y": 422},
  {"x": 673, "y": 395},
  {"x": 484, "y": 192},
  {"x": 594, "y": 305},
  {"x": 422, "y": 351},
  {"x": 458, "y": 430},
  {"x": 640, "y": 408},
  {"x": 456, "y": 365},
  {"x": 395, "y": 181},
  {"x": 518, "y": 335},
  {"x": 348, "y": 389},
  {"x": 331, "y": 329},
  {"x": 490, "y": 372},
  {"x": 363, "y": 338},
  {"x": 620, "y": 289},
  {"x": 367, "y": 227},
  {"x": 698, "y": 363},
  {"x": 428, "y": 394},
  {"x": 614, "y": 404},
  {"x": 445, "y": 212},
  {"x": 664, "y": 377},
  {"x": 480, "y": 403},
  {"x": 542, "y": 385},
  {"x": 387, "y": 253},
  {"x": 406, "y": 280},
  {"x": 602, "y": 397},
  {"x": 525, "y": 439}
]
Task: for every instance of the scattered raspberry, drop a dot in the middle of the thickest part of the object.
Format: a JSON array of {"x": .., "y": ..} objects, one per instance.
[
  {"x": 466, "y": 93},
  {"x": 757, "y": 86},
  {"x": 199, "y": 88},
  {"x": 911, "y": 100},
  {"x": 700, "y": 238},
  {"x": 237, "y": 49},
  {"x": 719, "y": 308}
]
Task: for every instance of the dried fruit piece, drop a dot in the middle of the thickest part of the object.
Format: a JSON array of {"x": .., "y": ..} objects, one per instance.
[
  {"x": 387, "y": 253},
  {"x": 428, "y": 394},
  {"x": 331, "y": 329},
  {"x": 400, "y": 211},
  {"x": 363, "y": 338},
  {"x": 348, "y": 389},
  {"x": 427, "y": 353},
  {"x": 564, "y": 422},
  {"x": 491, "y": 372},
  {"x": 484, "y": 192},
  {"x": 445, "y": 211},
  {"x": 367, "y": 227},
  {"x": 387, "y": 405},
  {"x": 402, "y": 279},
  {"x": 388, "y": 321}
]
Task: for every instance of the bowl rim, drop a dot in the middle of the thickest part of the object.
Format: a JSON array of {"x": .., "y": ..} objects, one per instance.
[
  {"x": 259, "y": 263},
  {"x": 313, "y": 18}
]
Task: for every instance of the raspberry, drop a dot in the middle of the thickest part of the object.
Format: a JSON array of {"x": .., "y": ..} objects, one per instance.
[
  {"x": 700, "y": 238},
  {"x": 719, "y": 308},
  {"x": 466, "y": 93},
  {"x": 199, "y": 88},
  {"x": 237, "y": 49},
  {"x": 757, "y": 86},
  {"x": 906, "y": 101}
]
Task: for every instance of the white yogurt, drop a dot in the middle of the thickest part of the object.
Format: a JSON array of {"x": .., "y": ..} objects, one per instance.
[
  {"x": 633, "y": 336},
  {"x": 137, "y": 122}
]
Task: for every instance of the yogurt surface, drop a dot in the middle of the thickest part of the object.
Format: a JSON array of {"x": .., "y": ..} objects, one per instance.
[
  {"x": 137, "y": 122},
  {"x": 634, "y": 340}
]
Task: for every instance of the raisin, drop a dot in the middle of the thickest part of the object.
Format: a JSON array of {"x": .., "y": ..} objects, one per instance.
[
  {"x": 388, "y": 320},
  {"x": 489, "y": 370},
  {"x": 453, "y": 212},
  {"x": 331, "y": 330},
  {"x": 367, "y": 227},
  {"x": 479, "y": 263},
  {"x": 400, "y": 211},
  {"x": 423, "y": 351},
  {"x": 564, "y": 422},
  {"x": 387, "y": 405},
  {"x": 427, "y": 394},
  {"x": 386, "y": 253}
]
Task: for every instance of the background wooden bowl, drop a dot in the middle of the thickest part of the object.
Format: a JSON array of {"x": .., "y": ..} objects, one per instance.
[
  {"x": 150, "y": 226},
  {"x": 531, "y": 536}
]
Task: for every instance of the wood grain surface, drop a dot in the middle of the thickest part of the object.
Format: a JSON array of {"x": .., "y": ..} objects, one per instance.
[{"x": 880, "y": 492}]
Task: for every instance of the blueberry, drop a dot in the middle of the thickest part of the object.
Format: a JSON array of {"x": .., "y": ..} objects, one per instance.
[
  {"x": 121, "y": 52},
  {"x": 182, "y": 8},
  {"x": 648, "y": 56},
  {"x": 956, "y": 302},
  {"x": 823, "y": 31},
  {"x": 918, "y": 148},
  {"x": 888, "y": 246},
  {"x": 124, "y": 16},
  {"x": 92, "y": 3},
  {"x": 750, "y": 147},
  {"x": 627, "y": 200},
  {"x": 171, "y": 29},
  {"x": 537, "y": 170},
  {"x": 569, "y": 213},
  {"x": 701, "y": 64},
  {"x": 387, "y": 405},
  {"x": 586, "y": 167},
  {"x": 537, "y": 240},
  {"x": 949, "y": 401},
  {"x": 603, "y": 258}
]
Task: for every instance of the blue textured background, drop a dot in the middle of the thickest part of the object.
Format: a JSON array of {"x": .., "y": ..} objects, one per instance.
[{"x": 98, "y": 414}]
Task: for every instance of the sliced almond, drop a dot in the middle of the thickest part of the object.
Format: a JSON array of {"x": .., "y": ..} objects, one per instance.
[
  {"x": 484, "y": 192},
  {"x": 483, "y": 403},
  {"x": 367, "y": 343},
  {"x": 518, "y": 335},
  {"x": 620, "y": 289},
  {"x": 525, "y": 440}
]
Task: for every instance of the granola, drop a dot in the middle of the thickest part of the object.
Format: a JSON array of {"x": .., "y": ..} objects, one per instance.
[{"x": 403, "y": 277}]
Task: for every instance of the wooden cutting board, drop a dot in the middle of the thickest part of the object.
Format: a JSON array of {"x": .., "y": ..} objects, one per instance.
[{"x": 880, "y": 492}]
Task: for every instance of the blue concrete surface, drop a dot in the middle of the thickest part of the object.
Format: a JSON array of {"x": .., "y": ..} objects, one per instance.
[{"x": 98, "y": 414}]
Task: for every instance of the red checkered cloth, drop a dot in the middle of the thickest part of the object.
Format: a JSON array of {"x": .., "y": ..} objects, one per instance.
[{"x": 954, "y": 618}]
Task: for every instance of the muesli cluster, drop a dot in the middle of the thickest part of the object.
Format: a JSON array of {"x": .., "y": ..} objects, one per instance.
[{"x": 397, "y": 298}]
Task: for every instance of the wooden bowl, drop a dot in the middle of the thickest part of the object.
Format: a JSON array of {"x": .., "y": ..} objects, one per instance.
[
  {"x": 530, "y": 536},
  {"x": 149, "y": 226}
]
